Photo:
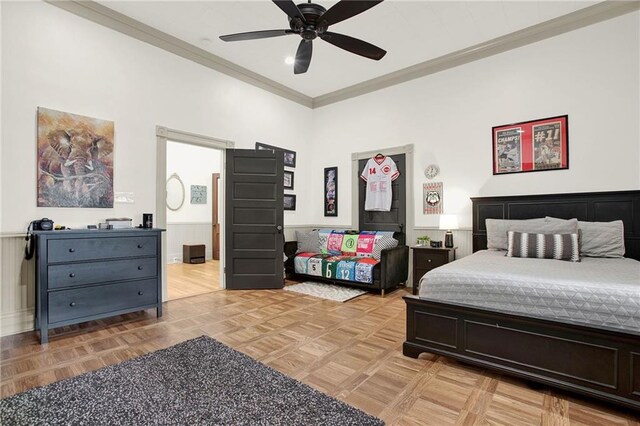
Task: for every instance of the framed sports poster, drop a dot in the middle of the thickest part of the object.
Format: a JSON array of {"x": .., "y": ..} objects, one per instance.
[
  {"x": 289, "y": 156},
  {"x": 432, "y": 198},
  {"x": 531, "y": 146},
  {"x": 331, "y": 191}
]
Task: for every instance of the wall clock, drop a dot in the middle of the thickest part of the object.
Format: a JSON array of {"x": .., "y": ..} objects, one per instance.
[{"x": 431, "y": 171}]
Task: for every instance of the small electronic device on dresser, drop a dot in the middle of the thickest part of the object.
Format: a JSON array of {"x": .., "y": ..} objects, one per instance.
[{"x": 428, "y": 258}]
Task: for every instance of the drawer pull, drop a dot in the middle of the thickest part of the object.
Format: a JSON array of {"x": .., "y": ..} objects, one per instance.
[
  {"x": 429, "y": 260},
  {"x": 72, "y": 304},
  {"x": 72, "y": 250},
  {"x": 71, "y": 275},
  {"x": 140, "y": 293},
  {"x": 140, "y": 246},
  {"x": 140, "y": 268}
]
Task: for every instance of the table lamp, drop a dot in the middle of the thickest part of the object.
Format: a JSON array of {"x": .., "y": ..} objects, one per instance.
[{"x": 448, "y": 222}]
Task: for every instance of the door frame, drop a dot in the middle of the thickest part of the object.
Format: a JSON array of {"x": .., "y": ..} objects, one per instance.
[
  {"x": 163, "y": 135},
  {"x": 407, "y": 150}
]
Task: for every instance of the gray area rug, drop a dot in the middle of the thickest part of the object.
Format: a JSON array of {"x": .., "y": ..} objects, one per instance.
[
  {"x": 326, "y": 291},
  {"x": 197, "y": 382}
]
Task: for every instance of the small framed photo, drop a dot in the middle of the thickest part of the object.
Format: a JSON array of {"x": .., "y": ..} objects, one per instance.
[
  {"x": 289, "y": 202},
  {"x": 198, "y": 194},
  {"x": 289, "y": 156},
  {"x": 531, "y": 146},
  {"x": 331, "y": 191},
  {"x": 288, "y": 179}
]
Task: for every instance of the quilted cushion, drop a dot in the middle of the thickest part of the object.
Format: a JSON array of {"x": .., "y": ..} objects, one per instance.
[
  {"x": 308, "y": 242},
  {"x": 543, "y": 246},
  {"x": 347, "y": 268}
]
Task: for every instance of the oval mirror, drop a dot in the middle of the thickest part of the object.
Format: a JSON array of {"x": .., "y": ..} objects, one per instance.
[{"x": 175, "y": 192}]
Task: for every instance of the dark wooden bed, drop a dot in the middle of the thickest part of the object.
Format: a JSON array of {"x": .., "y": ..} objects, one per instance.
[{"x": 598, "y": 362}]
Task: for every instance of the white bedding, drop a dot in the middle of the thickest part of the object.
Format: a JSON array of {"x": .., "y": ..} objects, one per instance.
[{"x": 595, "y": 291}]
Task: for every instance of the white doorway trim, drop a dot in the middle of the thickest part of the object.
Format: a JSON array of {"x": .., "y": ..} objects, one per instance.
[
  {"x": 407, "y": 150},
  {"x": 163, "y": 135}
]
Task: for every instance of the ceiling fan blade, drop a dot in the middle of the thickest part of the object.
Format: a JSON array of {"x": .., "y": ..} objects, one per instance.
[
  {"x": 254, "y": 35},
  {"x": 345, "y": 9},
  {"x": 354, "y": 45},
  {"x": 290, "y": 8},
  {"x": 303, "y": 57}
]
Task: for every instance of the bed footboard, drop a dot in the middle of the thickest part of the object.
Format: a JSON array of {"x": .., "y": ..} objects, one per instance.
[{"x": 600, "y": 363}]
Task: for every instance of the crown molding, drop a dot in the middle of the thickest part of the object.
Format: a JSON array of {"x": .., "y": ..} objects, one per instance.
[
  {"x": 116, "y": 21},
  {"x": 109, "y": 18},
  {"x": 560, "y": 25}
]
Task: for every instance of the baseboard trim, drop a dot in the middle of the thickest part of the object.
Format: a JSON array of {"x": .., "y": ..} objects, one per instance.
[{"x": 17, "y": 322}]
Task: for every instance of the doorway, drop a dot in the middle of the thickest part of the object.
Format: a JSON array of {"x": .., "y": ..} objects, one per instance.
[
  {"x": 192, "y": 203},
  {"x": 188, "y": 207}
]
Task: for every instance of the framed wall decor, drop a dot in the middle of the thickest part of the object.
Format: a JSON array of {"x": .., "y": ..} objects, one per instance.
[
  {"x": 289, "y": 156},
  {"x": 432, "y": 198},
  {"x": 331, "y": 191},
  {"x": 289, "y": 202},
  {"x": 198, "y": 194},
  {"x": 288, "y": 179},
  {"x": 74, "y": 160},
  {"x": 531, "y": 146}
]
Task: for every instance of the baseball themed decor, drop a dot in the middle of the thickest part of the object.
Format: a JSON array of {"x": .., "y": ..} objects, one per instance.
[
  {"x": 432, "y": 198},
  {"x": 379, "y": 172}
]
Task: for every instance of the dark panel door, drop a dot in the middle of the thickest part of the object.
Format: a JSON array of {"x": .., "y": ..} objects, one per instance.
[
  {"x": 254, "y": 219},
  {"x": 395, "y": 219}
]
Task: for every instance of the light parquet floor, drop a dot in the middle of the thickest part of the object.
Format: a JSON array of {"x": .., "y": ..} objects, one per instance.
[
  {"x": 351, "y": 351},
  {"x": 186, "y": 280}
]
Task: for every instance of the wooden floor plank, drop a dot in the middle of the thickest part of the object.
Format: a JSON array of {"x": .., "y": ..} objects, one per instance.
[{"x": 348, "y": 350}]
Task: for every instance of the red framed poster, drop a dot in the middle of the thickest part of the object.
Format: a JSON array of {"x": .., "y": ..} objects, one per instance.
[{"x": 531, "y": 146}]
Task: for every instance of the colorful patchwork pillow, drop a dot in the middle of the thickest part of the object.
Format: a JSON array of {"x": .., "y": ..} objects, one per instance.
[{"x": 543, "y": 246}]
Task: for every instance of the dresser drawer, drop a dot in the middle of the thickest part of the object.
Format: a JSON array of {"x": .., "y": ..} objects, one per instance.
[
  {"x": 77, "y": 249},
  {"x": 65, "y": 305},
  {"x": 74, "y": 274},
  {"x": 429, "y": 260}
]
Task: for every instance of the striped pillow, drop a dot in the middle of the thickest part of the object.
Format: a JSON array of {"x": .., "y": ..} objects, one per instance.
[{"x": 543, "y": 246}]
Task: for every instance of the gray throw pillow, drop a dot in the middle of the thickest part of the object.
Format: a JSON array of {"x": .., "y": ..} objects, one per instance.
[
  {"x": 602, "y": 239},
  {"x": 497, "y": 231},
  {"x": 549, "y": 226},
  {"x": 384, "y": 242},
  {"x": 308, "y": 242}
]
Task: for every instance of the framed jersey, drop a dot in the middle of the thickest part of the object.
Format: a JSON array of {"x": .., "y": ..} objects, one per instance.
[{"x": 379, "y": 172}]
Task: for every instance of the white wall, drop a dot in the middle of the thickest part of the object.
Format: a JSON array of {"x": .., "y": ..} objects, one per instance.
[
  {"x": 591, "y": 74},
  {"x": 55, "y": 59},
  {"x": 192, "y": 223},
  {"x": 195, "y": 165}
]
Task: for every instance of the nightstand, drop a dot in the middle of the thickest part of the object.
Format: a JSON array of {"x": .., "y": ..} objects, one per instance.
[{"x": 427, "y": 258}]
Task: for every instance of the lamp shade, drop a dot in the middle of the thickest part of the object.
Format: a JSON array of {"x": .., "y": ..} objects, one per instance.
[{"x": 448, "y": 221}]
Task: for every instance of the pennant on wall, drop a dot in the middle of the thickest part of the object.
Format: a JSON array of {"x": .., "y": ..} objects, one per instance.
[{"x": 432, "y": 198}]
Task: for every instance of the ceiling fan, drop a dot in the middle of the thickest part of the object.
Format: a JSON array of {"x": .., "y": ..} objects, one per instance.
[{"x": 309, "y": 21}]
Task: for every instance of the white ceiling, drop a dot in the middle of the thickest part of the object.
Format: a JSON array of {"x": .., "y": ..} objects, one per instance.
[{"x": 410, "y": 31}]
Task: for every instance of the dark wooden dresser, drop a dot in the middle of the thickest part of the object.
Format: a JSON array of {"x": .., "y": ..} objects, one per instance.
[
  {"x": 428, "y": 258},
  {"x": 83, "y": 275}
]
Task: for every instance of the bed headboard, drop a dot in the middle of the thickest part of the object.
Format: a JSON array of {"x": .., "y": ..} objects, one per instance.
[{"x": 585, "y": 206}]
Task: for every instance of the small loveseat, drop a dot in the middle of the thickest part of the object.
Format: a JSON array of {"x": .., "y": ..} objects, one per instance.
[{"x": 367, "y": 259}]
